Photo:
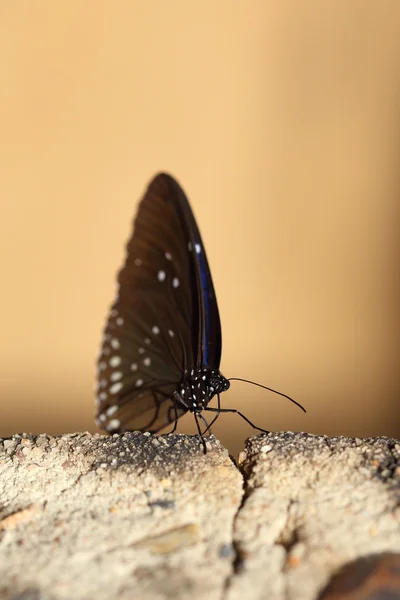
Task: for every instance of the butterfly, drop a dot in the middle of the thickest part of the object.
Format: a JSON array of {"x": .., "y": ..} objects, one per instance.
[{"x": 161, "y": 349}]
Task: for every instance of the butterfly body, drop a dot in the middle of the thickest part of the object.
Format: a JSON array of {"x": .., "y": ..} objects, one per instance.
[{"x": 199, "y": 387}]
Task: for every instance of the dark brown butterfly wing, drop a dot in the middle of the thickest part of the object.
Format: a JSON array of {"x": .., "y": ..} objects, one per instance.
[{"x": 165, "y": 318}]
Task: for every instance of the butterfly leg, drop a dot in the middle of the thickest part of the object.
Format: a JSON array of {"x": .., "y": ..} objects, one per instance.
[
  {"x": 214, "y": 419},
  {"x": 234, "y": 410},
  {"x": 206, "y": 424},
  {"x": 175, "y": 399},
  {"x": 176, "y": 420},
  {"x": 200, "y": 434},
  {"x": 175, "y": 426},
  {"x": 173, "y": 410}
]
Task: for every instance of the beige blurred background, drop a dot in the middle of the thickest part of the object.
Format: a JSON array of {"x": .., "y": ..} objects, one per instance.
[{"x": 281, "y": 121}]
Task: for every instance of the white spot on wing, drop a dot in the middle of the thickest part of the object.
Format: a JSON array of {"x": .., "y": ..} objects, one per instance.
[
  {"x": 147, "y": 361},
  {"x": 141, "y": 350},
  {"x": 102, "y": 366},
  {"x": 137, "y": 262},
  {"x": 171, "y": 333},
  {"x": 161, "y": 275},
  {"x": 115, "y": 343},
  {"x": 114, "y": 424},
  {"x": 197, "y": 248},
  {"x": 102, "y": 396},
  {"x": 115, "y": 361},
  {"x": 119, "y": 321},
  {"x": 147, "y": 340},
  {"x": 116, "y": 376},
  {"x": 139, "y": 382},
  {"x": 175, "y": 282},
  {"x": 134, "y": 367},
  {"x": 168, "y": 256},
  {"x": 103, "y": 383},
  {"x": 155, "y": 330},
  {"x": 114, "y": 389},
  {"x": 111, "y": 410}
]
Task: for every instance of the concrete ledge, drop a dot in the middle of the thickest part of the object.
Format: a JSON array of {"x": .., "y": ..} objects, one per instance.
[
  {"x": 136, "y": 516},
  {"x": 312, "y": 504}
]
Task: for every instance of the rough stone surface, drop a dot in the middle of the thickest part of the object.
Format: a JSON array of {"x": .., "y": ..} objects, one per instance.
[
  {"x": 136, "y": 516},
  {"x": 312, "y": 504},
  {"x": 133, "y": 516}
]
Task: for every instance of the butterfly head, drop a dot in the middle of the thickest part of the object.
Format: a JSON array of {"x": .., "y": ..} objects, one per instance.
[{"x": 199, "y": 386}]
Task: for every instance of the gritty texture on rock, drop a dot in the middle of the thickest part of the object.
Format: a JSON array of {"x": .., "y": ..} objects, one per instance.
[
  {"x": 137, "y": 516},
  {"x": 312, "y": 504},
  {"x": 129, "y": 516}
]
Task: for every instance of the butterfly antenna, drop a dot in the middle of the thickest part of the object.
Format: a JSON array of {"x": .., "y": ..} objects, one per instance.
[{"x": 269, "y": 389}]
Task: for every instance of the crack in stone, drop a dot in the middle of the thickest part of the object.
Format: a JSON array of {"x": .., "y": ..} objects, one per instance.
[
  {"x": 238, "y": 557},
  {"x": 287, "y": 538}
]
